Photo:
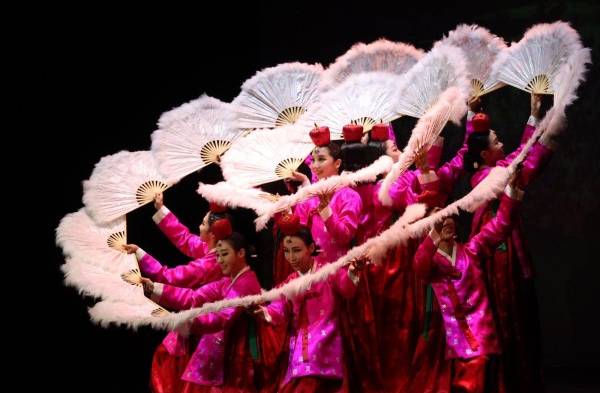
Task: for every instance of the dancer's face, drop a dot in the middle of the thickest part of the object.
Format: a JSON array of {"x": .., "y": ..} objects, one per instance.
[
  {"x": 229, "y": 260},
  {"x": 297, "y": 253},
  {"x": 204, "y": 228},
  {"x": 494, "y": 152},
  {"x": 392, "y": 150},
  {"x": 323, "y": 164},
  {"x": 448, "y": 229}
]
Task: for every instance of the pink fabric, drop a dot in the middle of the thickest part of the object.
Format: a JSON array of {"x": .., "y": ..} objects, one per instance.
[
  {"x": 334, "y": 236},
  {"x": 192, "y": 275},
  {"x": 535, "y": 161},
  {"x": 200, "y": 271},
  {"x": 206, "y": 365},
  {"x": 376, "y": 217},
  {"x": 466, "y": 279},
  {"x": 188, "y": 243},
  {"x": 315, "y": 347}
]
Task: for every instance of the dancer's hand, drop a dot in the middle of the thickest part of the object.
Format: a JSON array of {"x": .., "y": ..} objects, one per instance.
[
  {"x": 300, "y": 177},
  {"x": 536, "y": 105},
  {"x": 130, "y": 248},
  {"x": 358, "y": 264},
  {"x": 475, "y": 104},
  {"x": 158, "y": 201},
  {"x": 421, "y": 162},
  {"x": 259, "y": 311},
  {"x": 148, "y": 286},
  {"x": 270, "y": 197},
  {"x": 324, "y": 200}
]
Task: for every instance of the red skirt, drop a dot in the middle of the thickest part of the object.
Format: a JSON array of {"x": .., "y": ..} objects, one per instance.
[
  {"x": 189, "y": 387},
  {"x": 313, "y": 385},
  {"x": 166, "y": 372}
]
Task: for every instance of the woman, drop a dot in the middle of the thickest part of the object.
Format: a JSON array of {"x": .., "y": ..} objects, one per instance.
[
  {"x": 172, "y": 355},
  {"x": 316, "y": 358},
  {"x": 222, "y": 360},
  {"x": 454, "y": 271},
  {"x": 331, "y": 217},
  {"x": 509, "y": 270}
]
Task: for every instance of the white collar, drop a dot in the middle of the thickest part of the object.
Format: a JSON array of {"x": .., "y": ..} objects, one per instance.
[
  {"x": 311, "y": 270},
  {"x": 244, "y": 270}
]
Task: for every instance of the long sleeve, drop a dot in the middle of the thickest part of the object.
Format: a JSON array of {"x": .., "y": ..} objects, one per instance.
[
  {"x": 217, "y": 321},
  {"x": 450, "y": 172},
  {"x": 278, "y": 311},
  {"x": 402, "y": 192},
  {"x": 495, "y": 231},
  {"x": 536, "y": 160},
  {"x": 423, "y": 264},
  {"x": 345, "y": 216},
  {"x": 197, "y": 272},
  {"x": 343, "y": 284},
  {"x": 176, "y": 298},
  {"x": 434, "y": 154},
  {"x": 187, "y": 242},
  {"x": 527, "y": 133},
  {"x": 302, "y": 210}
]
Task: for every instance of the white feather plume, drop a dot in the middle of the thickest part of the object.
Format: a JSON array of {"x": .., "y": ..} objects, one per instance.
[
  {"x": 189, "y": 144},
  {"x": 480, "y": 48},
  {"x": 94, "y": 281},
  {"x": 570, "y": 76},
  {"x": 442, "y": 67},
  {"x": 381, "y": 55},
  {"x": 182, "y": 112},
  {"x": 367, "y": 174},
  {"x": 81, "y": 238},
  {"x": 277, "y": 95},
  {"x": 227, "y": 194},
  {"x": 534, "y": 62},
  {"x": 109, "y": 312},
  {"x": 264, "y": 156},
  {"x": 121, "y": 183},
  {"x": 365, "y": 99}
]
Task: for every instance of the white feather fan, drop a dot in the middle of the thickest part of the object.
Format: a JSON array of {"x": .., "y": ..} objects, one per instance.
[
  {"x": 100, "y": 245},
  {"x": 381, "y": 55},
  {"x": 480, "y": 48},
  {"x": 277, "y": 96},
  {"x": 188, "y": 109},
  {"x": 264, "y": 156},
  {"x": 192, "y": 143},
  {"x": 364, "y": 99},
  {"x": 108, "y": 312},
  {"x": 572, "y": 73},
  {"x": 120, "y": 183},
  {"x": 94, "y": 281},
  {"x": 442, "y": 67},
  {"x": 534, "y": 62}
]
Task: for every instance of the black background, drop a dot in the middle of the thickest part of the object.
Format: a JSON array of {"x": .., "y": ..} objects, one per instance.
[{"x": 105, "y": 76}]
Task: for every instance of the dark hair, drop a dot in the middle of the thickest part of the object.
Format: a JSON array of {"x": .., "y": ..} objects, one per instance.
[
  {"x": 237, "y": 241},
  {"x": 334, "y": 150},
  {"x": 476, "y": 142},
  {"x": 212, "y": 217},
  {"x": 355, "y": 156},
  {"x": 306, "y": 236}
]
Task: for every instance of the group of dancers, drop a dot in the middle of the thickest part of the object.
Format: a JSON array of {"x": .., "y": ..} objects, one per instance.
[{"x": 431, "y": 315}]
